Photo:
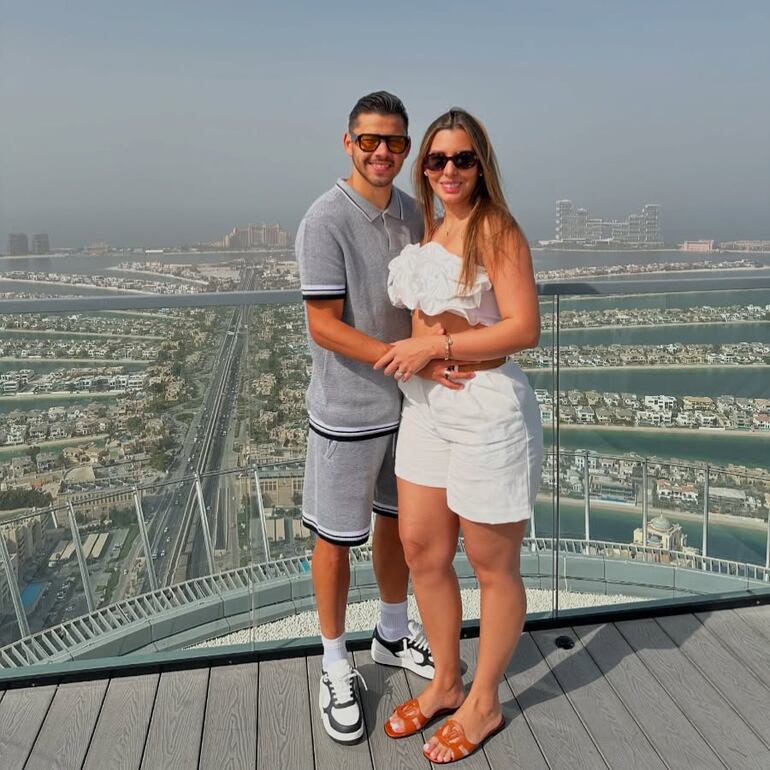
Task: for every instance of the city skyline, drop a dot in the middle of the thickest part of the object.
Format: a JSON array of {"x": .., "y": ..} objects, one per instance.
[{"x": 182, "y": 129}]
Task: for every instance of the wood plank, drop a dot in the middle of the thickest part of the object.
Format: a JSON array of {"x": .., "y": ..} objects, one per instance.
[
  {"x": 174, "y": 737},
  {"x": 757, "y": 617},
  {"x": 564, "y": 740},
  {"x": 327, "y": 752},
  {"x": 613, "y": 728},
  {"x": 66, "y": 732},
  {"x": 515, "y": 747},
  {"x": 283, "y": 736},
  {"x": 230, "y": 724},
  {"x": 739, "y": 637},
  {"x": 727, "y": 734},
  {"x": 748, "y": 696},
  {"x": 387, "y": 689},
  {"x": 121, "y": 729},
  {"x": 676, "y": 740},
  {"x": 22, "y": 713}
]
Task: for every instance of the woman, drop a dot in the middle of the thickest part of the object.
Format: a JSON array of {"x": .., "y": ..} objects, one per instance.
[{"x": 467, "y": 458}]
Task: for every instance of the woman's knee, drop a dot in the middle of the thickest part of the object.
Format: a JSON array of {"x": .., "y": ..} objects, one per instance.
[{"x": 424, "y": 553}]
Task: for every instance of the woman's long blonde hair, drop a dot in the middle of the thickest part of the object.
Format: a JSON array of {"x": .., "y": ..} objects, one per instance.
[{"x": 490, "y": 217}]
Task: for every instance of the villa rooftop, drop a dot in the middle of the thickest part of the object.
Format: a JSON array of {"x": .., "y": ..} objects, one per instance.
[{"x": 677, "y": 691}]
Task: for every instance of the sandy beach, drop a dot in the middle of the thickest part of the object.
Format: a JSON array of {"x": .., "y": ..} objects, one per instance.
[
  {"x": 635, "y": 510},
  {"x": 96, "y": 361},
  {"x": 106, "y": 335},
  {"x": 759, "y": 434},
  {"x": 652, "y": 367}
]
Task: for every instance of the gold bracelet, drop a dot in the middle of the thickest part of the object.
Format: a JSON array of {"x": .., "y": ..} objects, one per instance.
[{"x": 447, "y": 347}]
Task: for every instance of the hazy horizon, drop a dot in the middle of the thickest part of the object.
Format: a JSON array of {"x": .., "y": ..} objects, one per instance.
[{"x": 161, "y": 124}]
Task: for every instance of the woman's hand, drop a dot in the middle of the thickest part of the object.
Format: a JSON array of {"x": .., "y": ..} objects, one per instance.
[{"x": 409, "y": 356}]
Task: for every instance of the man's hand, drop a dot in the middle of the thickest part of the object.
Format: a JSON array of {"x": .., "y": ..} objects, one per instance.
[{"x": 437, "y": 369}]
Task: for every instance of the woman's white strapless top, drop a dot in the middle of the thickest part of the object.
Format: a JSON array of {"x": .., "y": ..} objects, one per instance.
[{"x": 427, "y": 278}]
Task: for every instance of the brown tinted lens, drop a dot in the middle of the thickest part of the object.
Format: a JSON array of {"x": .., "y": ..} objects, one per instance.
[
  {"x": 435, "y": 161},
  {"x": 397, "y": 144},
  {"x": 368, "y": 142},
  {"x": 464, "y": 160}
]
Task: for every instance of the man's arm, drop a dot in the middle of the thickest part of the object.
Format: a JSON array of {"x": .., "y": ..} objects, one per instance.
[{"x": 324, "y": 320}]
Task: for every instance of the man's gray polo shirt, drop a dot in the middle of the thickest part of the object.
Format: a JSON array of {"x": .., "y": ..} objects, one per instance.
[{"x": 344, "y": 245}]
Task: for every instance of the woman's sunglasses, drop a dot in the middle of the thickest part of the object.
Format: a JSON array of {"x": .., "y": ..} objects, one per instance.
[
  {"x": 436, "y": 161},
  {"x": 370, "y": 142}
]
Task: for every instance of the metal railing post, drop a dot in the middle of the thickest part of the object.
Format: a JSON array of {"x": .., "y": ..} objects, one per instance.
[
  {"x": 706, "y": 512},
  {"x": 145, "y": 541},
  {"x": 645, "y": 502},
  {"x": 767, "y": 549},
  {"x": 261, "y": 513},
  {"x": 13, "y": 587},
  {"x": 587, "y": 491},
  {"x": 87, "y": 590},
  {"x": 207, "y": 546}
]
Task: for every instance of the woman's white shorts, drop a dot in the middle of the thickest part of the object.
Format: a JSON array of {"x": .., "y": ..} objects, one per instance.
[{"x": 483, "y": 444}]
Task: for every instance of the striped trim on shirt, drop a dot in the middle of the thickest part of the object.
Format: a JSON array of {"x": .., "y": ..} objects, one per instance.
[
  {"x": 324, "y": 291},
  {"x": 351, "y": 434}
]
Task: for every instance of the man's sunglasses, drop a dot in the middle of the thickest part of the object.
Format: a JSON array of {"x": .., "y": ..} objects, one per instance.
[
  {"x": 436, "y": 161},
  {"x": 370, "y": 142}
]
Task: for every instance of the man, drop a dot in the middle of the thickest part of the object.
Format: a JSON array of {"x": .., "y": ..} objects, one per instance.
[{"x": 344, "y": 245}]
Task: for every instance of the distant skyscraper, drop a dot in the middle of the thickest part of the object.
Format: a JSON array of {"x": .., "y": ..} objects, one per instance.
[
  {"x": 41, "y": 244},
  {"x": 565, "y": 220},
  {"x": 18, "y": 245}
]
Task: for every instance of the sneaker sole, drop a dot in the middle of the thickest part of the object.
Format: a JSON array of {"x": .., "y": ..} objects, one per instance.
[
  {"x": 387, "y": 658},
  {"x": 339, "y": 737}
]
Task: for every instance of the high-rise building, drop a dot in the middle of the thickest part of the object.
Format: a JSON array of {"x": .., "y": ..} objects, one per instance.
[
  {"x": 652, "y": 229},
  {"x": 18, "y": 245},
  {"x": 565, "y": 220},
  {"x": 41, "y": 244}
]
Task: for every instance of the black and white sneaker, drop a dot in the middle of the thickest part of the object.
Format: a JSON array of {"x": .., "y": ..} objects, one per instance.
[
  {"x": 339, "y": 702},
  {"x": 410, "y": 652}
]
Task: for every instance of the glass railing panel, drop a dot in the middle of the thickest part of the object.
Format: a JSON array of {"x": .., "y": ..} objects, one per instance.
[
  {"x": 51, "y": 575},
  {"x": 666, "y": 388},
  {"x": 19, "y": 588},
  {"x": 539, "y": 568}
]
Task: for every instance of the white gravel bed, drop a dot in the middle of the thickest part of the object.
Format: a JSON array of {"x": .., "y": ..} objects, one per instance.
[{"x": 362, "y": 616}]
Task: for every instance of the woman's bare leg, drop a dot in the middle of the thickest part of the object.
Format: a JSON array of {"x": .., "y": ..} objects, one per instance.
[
  {"x": 429, "y": 533},
  {"x": 494, "y": 551}
]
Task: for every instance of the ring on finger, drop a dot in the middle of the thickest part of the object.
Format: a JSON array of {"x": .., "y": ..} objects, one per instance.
[{"x": 398, "y": 374}]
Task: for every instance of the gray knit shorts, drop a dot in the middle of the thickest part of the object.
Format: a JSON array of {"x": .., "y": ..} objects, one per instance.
[{"x": 344, "y": 482}]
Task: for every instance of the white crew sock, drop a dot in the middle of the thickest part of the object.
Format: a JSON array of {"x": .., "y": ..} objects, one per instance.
[
  {"x": 394, "y": 620},
  {"x": 334, "y": 650}
]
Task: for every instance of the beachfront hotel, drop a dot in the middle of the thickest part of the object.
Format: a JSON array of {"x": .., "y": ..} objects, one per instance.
[{"x": 575, "y": 225}]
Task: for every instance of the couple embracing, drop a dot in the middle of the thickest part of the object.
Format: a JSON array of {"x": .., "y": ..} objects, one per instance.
[{"x": 417, "y": 414}]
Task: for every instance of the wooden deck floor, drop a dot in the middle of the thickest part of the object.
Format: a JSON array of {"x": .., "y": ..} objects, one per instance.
[{"x": 686, "y": 691}]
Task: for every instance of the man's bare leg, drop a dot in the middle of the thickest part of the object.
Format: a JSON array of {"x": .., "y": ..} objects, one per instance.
[
  {"x": 331, "y": 581},
  {"x": 390, "y": 567}
]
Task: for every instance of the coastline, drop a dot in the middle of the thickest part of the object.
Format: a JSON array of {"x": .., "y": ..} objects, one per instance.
[
  {"x": 635, "y": 510},
  {"x": 96, "y": 361},
  {"x": 59, "y": 333},
  {"x": 57, "y": 394},
  {"x": 170, "y": 276},
  {"x": 68, "y": 284},
  {"x": 652, "y": 367},
  {"x": 652, "y": 429},
  {"x": 605, "y": 327}
]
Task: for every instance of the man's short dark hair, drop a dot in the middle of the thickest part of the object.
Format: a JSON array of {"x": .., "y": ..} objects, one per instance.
[{"x": 379, "y": 103}]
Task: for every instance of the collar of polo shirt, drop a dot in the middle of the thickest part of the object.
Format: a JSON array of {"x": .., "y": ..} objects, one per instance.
[{"x": 371, "y": 212}]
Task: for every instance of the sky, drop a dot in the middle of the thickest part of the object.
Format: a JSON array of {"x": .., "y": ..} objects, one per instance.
[{"x": 169, "y": 122}]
